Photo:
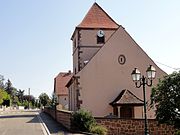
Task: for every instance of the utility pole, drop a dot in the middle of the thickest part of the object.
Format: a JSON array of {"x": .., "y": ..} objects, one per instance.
[{"x": 28, "y": 98}]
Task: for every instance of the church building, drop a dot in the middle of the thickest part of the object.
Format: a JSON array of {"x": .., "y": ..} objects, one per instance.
[{"x": 104, "y": 56}]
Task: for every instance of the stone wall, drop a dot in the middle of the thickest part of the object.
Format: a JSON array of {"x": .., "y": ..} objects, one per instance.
[
  {"x": 61, "y": 116},
  {"x": 64, "y": 117},
  {"x": 50, "y": 111},
  {"x": 118, "y": 126}
]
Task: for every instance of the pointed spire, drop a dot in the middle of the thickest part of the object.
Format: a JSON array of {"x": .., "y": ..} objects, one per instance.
[{"x": 97, "y": 18}]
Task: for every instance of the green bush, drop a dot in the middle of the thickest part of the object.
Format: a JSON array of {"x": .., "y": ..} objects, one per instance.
[
  {"x": 98, "y": 129},
  {"x": 3, "y": 96},
  {"x": 83, "y": 120},
  {"x": 177, "y": 132},
  {"x": 19, "y": 103}
]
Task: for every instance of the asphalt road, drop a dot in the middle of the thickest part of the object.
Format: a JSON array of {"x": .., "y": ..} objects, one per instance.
[{"x": 20, "y": 123}]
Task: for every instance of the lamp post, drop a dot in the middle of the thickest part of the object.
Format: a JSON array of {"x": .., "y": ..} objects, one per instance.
[
  {"x": 28, "y": 98},
  {"x": 142, "y": 81}
]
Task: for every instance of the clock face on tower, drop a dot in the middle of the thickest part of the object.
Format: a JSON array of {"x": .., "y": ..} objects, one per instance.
[{"x": 100, "y": 33}]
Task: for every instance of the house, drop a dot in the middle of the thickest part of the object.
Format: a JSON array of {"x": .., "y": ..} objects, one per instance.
[
  {"x": 104, "y": 55},
  {"x": 60, "y": 88}
]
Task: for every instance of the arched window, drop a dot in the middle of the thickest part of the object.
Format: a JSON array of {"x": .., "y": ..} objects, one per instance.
[
  {"x": 100, "y": 40},
  {"x": 100, "y": 37}
]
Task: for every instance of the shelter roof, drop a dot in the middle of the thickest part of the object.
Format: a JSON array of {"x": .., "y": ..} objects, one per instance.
[{"x": 126, "y": 97}]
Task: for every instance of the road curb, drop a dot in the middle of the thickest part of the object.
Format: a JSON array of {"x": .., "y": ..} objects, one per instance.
[{"x": 43, "y": 125}]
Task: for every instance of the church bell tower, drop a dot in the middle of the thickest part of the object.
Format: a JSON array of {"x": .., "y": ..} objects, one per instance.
[{"x": 90, "y": 35}]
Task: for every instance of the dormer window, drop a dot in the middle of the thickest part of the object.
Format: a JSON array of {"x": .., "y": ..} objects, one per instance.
[{"x": 100, "y": 37}]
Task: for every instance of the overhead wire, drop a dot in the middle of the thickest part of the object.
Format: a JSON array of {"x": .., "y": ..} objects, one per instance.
[{"x": 167, "y": 66}]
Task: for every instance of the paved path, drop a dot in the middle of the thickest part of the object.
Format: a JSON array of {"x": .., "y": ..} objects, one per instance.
[
  {"x": 29, "y": 122},
  {"x": 54, "y": 127}
]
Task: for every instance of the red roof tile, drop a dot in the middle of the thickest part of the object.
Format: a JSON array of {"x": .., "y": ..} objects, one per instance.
[
  {"x": 60, "y": 83},
  {"x": 97, "y": 18}
]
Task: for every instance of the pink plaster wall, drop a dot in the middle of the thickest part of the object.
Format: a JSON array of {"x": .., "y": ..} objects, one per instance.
[
  {"x": 87, "y": 38},
  {"x": 103, "y": 78}
]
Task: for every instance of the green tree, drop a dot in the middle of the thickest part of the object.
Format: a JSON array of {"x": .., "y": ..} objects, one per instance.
[
  {"x": 36, "y": 104},
  {"x": 12, "y": 92},
  {"x": 20, "y": 94},
  {"x": 2, "y": 82},
  {"x": 44, "y": 99},
  {"x": 166, "y": 98},
  {"x": 54, "y": 100},
  {"x": 8, "y": 87},
  {"x": 3, "y": 96},
  {"x": 14, "y": 97},
  {"x": 28, "y": 101}
]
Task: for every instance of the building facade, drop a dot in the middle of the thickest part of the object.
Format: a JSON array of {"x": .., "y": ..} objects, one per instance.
[
  {"x": 104, "y": 55},
  {"x": 60, "y": 88}
]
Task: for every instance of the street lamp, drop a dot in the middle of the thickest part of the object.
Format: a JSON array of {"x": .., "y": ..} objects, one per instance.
[{"x": 142, "y": 81}]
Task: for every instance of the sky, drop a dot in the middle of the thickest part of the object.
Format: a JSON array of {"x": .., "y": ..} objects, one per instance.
[{"x": 35, "y": 36}]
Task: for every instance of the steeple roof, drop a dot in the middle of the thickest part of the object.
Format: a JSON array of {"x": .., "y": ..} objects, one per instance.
[{"x": 97, "y": 18}]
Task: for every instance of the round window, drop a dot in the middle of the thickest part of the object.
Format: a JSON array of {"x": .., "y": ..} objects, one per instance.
[{"x": 121, "y": 59}]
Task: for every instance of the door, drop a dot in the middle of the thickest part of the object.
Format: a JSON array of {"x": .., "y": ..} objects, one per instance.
[{"x": 126, "y": 112}]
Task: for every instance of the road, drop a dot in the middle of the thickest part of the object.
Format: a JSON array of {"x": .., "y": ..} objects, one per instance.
[
  {"x": 29, "y": 122},
  {"x": 20, "y": 123}
]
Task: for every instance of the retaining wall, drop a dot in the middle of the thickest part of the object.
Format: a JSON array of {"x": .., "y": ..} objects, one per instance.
[
  {"x": 61, "y": 116},
  {"x": 116, "y": 126}
]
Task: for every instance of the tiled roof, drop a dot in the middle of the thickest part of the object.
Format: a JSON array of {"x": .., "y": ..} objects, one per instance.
[
  {"x": 127, "y": 98},
  {"x": 60, "y": 83},
  {"x": 97, "y": 18}
]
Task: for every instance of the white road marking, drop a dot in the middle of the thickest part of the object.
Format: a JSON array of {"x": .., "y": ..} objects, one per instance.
[{"x": 43, "y": 125}]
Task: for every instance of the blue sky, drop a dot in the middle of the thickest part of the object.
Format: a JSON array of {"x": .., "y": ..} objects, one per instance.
[{"x": 35, "y": 35}]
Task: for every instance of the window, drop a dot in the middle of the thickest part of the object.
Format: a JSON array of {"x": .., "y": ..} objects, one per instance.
[
  {"x": 100, "y": 40},
  {"x": 100, "y": 37}
]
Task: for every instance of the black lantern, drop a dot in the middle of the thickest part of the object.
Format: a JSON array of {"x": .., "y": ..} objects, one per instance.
[{"x": 142, "y": 81}]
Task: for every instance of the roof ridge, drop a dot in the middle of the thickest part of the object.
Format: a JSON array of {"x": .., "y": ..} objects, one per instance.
[
  {"x": 94, "y": 17},
  {"x": 64, "y": 74},
  {"x": 122, "y": 95},
  {"x": 119, "y": 96},
  {"x": 125, "y": 91},
  {"x": 106, "y": 14},
  {"x": 134, "y": 95}
]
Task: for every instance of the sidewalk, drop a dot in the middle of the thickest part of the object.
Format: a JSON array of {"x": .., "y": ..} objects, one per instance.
[{"x": 54, "y": 127}]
